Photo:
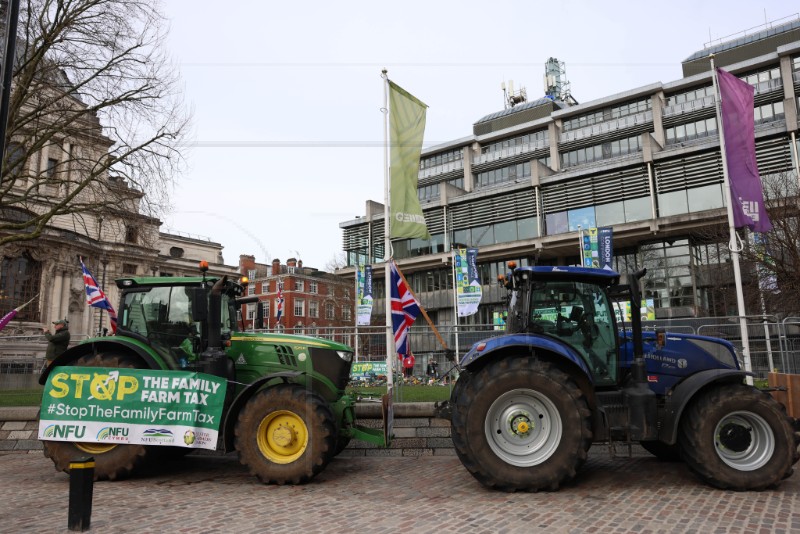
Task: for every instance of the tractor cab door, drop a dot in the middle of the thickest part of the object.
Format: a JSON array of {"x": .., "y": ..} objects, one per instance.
[
  {"x": 163, "y": 315},
  {"x": 580, "y": 315}
]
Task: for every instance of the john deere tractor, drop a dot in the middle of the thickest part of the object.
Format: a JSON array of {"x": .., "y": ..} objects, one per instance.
[
  {"x": 286, "y": 413},
  {"x": 529, "y": 404}
]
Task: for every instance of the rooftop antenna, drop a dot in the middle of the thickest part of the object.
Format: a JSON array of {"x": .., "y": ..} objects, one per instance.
[
  {"x": 511, "y": 98},
  {"x": 556, "y": 86}
]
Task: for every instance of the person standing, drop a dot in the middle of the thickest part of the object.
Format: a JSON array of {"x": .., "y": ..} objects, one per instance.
[{"x": 58, "y": 341}]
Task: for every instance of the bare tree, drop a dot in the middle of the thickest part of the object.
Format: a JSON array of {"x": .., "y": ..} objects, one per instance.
[
  {"x": 337, "y": 261},
  {"x": 770, "y": 263},
  {"x": 95, "y": 118}
]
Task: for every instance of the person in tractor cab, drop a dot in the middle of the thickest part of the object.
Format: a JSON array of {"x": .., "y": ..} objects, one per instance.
[{"x": 57, "y": 342}]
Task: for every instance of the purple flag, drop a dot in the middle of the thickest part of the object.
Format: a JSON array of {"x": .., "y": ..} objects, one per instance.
[{"x": 738, "y": 126}]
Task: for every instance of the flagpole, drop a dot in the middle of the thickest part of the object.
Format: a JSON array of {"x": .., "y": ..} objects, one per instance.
[
  {"x": 387, "y": 242},
  {"x": 355, "y": 312},
  {"x": 455, "y": 300},
  {"x": 732, "y": 245}
]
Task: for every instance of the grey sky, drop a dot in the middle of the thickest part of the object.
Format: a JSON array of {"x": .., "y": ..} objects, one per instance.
[{"x": 286, "y": 96}]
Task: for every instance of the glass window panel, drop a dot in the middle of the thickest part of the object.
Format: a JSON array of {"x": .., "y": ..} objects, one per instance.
[
  {"x": 680, "y": 132},
  {"x": 462, "y": 237},
  {"x": 711, "y": 125},
  {"x": 527, "y": 228},
  {"x": 583, "y": 217},
  {"x": 674, "y": 203},
  {"x": 505, "y": 232},
  {"x": 706, "y": 198},
  {"x": 483, "y": 235},
  {"x": 556, "y": 223},
  {"x": 610, "y": 214},
  {"x": 637, "y": 209},
  {"x": 691, "y": 131}
]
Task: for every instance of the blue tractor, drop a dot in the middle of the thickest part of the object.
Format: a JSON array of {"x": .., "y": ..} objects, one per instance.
[{"x": 528, "y": 404}]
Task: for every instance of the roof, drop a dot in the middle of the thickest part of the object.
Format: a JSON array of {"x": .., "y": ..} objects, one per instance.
[
  {"x": 727, "y": 45},
  {"x": 519, "y": 108},
  {"x": 571, "y": 274}
]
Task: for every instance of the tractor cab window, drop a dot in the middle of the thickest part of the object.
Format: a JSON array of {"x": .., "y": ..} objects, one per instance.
[
  {"x": 578, "y": 314},
  {"x": 164, "y": 316}
]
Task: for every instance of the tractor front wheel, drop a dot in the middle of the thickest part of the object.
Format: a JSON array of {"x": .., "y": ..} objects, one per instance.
[
  {"x": 737, "y": 437},
  {"x": 521, "y": 424},
  {"x": 112, "y": 461},
  {"x": 285, "y": 434}
]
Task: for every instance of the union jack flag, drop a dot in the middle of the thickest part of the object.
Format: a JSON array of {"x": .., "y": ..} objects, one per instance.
[
  {"x": 405, "y": 309},
  {"x": 96, "y": 298},
  {"x": 279, "y": 301}
]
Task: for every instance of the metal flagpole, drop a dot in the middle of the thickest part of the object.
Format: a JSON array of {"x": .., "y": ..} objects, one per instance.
[
  {"x": 387, "y": 242},
  {"x": 355, "y": 314},
  {"x": 732, "y": 245},
  {"x": 455, "y": 299}
]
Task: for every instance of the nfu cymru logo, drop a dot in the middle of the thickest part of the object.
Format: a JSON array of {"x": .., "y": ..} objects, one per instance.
[
  {"x": 113, "y": 433},
  {"x": 158, "y": 435},
  {"x": 64, "y": 432}
]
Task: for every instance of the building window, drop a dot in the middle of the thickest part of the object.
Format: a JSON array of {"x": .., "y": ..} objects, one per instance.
[
  {"x": 692, "y": 130},
  {"x": 251, "y": 312},
  {"x": 19, "y": 282},
  {"x": 313, "y": 309},
  {"x": 312, "y": 287},
  {"x": 176, "y": 252},
  {"x": 128, "y": 268},
  {"x": 131, "y": 234},
  {"x": 251, "y": 289},
  {"x": 504, "y": 174},
  {"x": 299, "y": 285},
  {"x": 611, "y": 149},
  {"x": 52, "y": 164},
  {"x": 346, "y": 313},
  {"x": 299, "y": 307},
  {"x": 330, "y": 312},
  {"x": 610, "y": 113}
]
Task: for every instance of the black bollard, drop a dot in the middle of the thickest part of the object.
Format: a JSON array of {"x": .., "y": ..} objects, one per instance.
[{"x": 81, "y": 477}]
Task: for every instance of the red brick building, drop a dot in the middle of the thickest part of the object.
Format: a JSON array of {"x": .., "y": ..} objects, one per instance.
[{"x": 313, "y": 299}]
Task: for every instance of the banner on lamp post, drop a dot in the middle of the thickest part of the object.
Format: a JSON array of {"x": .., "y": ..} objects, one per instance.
[
  {"x": 364, "y": 307},
  {"x": 468, "y": 286}
]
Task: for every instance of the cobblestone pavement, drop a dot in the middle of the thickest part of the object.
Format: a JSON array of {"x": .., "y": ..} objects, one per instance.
[{"x": 397, "y": 494}]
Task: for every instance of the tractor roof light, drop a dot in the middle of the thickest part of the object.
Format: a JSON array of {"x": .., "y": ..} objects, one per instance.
[{"x": 203, "y": 266}]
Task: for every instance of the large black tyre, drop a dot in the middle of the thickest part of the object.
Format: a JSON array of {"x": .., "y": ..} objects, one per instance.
[
  {"x": 285, "y": 435},
  {"x": 662, "y": 451},
  {"x": 521, "y": 424},
  {"x": 112, "y": 462},
  {"x": 737, "y": 437}
]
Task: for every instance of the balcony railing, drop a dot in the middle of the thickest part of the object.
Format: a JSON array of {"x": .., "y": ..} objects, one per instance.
[
  {"x": 510, "y": 151},
  {"x": 607, "y": 126},
  {"x": 441, "y": 169}
]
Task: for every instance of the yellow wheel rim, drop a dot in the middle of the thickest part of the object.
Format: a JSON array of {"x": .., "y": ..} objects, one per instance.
[
  {"x": 282, "y": 437},
  {"x": 94, "y": 448}
]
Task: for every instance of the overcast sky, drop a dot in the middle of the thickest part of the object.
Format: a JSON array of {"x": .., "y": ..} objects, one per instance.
[{"x": 286, "y": 96}]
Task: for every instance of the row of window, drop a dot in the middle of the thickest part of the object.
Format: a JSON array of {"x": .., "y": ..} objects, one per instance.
[
  {"x": 431, "y": 191},
  {"x": 522, "y": 140},
  {"x": 504, "y": 174},
  {"x": 769, "y": 112},
  {"x": 606, "y": 114},
  {"x": 611, "y": 149},
  {"x": 299, "y": 309},
  {"x": 441, "y": 159}
]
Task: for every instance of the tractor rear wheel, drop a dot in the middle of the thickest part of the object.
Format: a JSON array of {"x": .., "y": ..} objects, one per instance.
[
  {"x": 112, "y": 461},
  {"x": 285, "y": 434},
  {"x": 521, "y": 424},
  {"x": 737, "y": 437}
]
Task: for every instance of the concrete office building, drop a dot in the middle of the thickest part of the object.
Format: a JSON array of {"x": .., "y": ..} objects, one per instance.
[{"x": 645, "y": 162}]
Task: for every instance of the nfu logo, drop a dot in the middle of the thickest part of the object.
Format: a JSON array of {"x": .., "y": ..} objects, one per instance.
[{"x": 65, "y": 431}]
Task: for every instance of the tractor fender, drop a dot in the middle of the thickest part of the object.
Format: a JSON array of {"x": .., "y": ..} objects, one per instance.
[
  {"x": 686, "y": 391},
  {"x": 233, "y": 412},
  {"x": 489, "y": 349},
  {"x": 150, "y": 359}
]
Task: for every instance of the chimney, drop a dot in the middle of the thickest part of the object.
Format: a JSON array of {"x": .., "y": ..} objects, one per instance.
[
  {"x": 246, "y": 263},
  {"x": 276, "y": 267},
  {"x": 291, "y": 262},
  {"x": 299, "y": 264}
]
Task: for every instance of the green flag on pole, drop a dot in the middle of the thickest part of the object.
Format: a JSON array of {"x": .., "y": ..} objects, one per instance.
[{"x": 406, "y": 127}]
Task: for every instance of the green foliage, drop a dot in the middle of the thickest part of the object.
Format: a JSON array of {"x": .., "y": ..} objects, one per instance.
[{"x": 21, "y": 397}]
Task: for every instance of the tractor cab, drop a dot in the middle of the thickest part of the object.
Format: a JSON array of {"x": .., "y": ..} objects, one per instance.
[
  {"x": 570, "y": 305},
  {"x": 171, "y": 315}
]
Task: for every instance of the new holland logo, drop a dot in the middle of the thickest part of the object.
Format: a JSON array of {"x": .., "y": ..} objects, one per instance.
[{"x": 241, "y": 360}]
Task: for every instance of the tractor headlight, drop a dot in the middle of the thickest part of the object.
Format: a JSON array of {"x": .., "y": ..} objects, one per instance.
[{"x": 345, "y": 355}]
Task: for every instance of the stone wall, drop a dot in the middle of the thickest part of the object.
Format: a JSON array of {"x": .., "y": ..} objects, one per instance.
[{"x": 417, "y": 431}]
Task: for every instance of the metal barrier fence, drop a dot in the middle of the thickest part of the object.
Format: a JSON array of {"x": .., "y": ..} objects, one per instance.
[{"x": 774, "y": 344}]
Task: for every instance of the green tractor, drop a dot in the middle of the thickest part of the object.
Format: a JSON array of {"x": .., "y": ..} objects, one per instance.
[{"x": 286, "y": 412}]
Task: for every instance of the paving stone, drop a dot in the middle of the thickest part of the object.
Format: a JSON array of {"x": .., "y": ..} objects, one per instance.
[{"x": 14, "y": 425}]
